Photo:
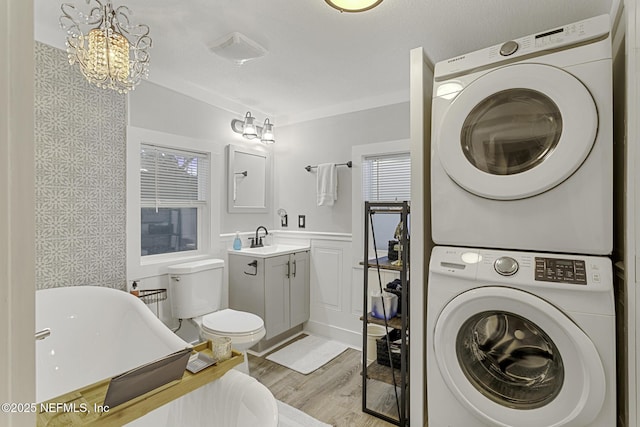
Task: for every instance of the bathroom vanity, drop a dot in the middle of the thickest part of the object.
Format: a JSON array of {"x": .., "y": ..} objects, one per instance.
[{"x": 272, "y": 282}]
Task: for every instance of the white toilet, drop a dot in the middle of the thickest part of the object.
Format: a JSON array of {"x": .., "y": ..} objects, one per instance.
[{"x": 196, "y": 293}]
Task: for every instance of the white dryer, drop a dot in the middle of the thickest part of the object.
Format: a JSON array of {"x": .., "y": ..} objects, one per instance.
[
  {"x": 520, "y": 339},
  {"x": 522, "y": 143}
]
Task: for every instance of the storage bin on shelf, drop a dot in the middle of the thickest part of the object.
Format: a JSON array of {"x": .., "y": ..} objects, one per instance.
[
  {"x": 399, "y": 295},
  {"x": 382, "y": 353},
  {"x": 395, "y": 287}
]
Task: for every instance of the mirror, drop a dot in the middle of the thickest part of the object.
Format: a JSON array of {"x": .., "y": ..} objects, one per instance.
[{"x": 249, "y": 178}]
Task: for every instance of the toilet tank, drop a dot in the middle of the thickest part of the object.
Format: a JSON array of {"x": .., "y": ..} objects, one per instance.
[{"x": 195, "y": 288}]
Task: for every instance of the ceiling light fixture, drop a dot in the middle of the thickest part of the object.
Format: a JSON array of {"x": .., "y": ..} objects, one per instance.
[
  {"x": 250, "y": 130},
  {"x": 111, "y": 52},
  {"x": 353, "y": 5},
  {"x": 237, "y": 48}
]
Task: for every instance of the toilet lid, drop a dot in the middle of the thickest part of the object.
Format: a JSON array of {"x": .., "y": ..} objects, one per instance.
[{"x": 230, "y": 321}]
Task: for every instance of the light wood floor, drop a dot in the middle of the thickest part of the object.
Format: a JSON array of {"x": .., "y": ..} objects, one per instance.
[{"x": 331, "y": 394}]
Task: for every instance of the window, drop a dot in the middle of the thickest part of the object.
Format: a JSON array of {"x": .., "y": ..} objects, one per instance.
[
  {"x": 386, "y": 178},
  {"x": 174, "y": 199}
]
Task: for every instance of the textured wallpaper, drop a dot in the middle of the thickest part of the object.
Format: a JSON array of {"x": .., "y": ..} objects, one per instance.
[{"x": 80, "y": 147}]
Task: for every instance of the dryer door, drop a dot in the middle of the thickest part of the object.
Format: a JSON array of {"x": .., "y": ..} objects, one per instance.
[
  {"x": 517, "y": 131},
  {"x": 513, "y": 359}
]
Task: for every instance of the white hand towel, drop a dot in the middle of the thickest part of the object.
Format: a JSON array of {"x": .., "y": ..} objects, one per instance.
[{"x": 327, "y": 184}]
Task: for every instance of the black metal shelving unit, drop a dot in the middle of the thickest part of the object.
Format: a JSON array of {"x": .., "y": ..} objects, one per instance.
[{"x": 398, "y": 380}]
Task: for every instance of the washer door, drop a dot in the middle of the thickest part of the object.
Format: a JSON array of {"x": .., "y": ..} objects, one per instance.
[
  {"x": 512, "y": 359},
  {"x": 517, "y": 131}
]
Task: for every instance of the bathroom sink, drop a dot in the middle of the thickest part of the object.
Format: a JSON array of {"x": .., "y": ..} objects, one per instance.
[{"x": 272, "y": 250}]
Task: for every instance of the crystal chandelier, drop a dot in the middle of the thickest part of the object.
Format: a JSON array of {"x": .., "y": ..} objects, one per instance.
[{"x": 111, "y": 52}]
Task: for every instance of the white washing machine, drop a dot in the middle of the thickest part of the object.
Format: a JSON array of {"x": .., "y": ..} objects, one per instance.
[
  {"x": 520, "y": 339},
  {"x": 522, "y": 143}
]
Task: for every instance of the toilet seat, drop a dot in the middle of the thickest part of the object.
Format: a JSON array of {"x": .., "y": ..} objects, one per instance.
[{"x": 232, "y": 323}]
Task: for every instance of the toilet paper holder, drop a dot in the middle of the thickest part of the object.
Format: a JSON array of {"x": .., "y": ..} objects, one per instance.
[{"x": 253, "y": 264}]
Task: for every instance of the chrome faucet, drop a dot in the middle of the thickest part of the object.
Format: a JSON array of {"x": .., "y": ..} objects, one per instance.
[{"x": 257, "y": 241}]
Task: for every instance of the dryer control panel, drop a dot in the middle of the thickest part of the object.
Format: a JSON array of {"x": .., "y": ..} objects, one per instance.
[
  {"x": 582, "y": 32},
  {"x": 518, "y": 268},
  {"x": 561, "y": 270}
]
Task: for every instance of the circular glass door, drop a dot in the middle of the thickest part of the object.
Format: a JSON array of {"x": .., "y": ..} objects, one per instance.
[
  {"x": 517, "y": 131},
  {"x": 511, "y": 131},
  {"x": 511, "y": 358}
]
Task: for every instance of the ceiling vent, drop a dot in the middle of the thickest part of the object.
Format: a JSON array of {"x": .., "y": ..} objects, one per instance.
[{"x": 238, "y": 48}]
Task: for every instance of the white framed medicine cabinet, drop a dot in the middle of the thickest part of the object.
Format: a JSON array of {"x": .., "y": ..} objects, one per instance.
[{"x": 249, "y": 180}]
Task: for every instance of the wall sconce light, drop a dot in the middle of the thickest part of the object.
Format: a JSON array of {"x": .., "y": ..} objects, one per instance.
[
  {"x": 250, "y": 130},
  {"x": 267, "y": 133}
]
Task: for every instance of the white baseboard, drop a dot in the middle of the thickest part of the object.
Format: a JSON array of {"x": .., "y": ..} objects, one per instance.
[
  {"x": 345, "y": 336},
  {"x": 273, "y": 347}
]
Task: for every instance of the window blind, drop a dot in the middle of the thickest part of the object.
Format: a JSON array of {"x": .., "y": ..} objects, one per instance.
[
  {"x": 173, "y": 178},
  {"x": 386, "y": 178}
]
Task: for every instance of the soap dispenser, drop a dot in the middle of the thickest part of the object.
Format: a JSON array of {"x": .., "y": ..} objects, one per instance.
[{"x": 237, "y": 243}]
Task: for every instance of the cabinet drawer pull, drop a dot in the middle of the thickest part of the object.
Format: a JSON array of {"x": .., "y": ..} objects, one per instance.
[
  {"x": 294, "y": 268},
  {"x": 40, "y": 335},
  {"x": 288, "y": 269}
]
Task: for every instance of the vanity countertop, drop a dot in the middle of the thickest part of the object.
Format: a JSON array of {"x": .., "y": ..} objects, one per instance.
[{"x": 270, "y": 251}]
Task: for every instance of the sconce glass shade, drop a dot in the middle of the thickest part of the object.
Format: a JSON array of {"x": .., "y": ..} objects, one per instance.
[
  {"x": 353, "y": 5},
  {"x": 267, "y": 133},
  {"x": 249, "y": 129},
  {"x": 110, "y": 50}
]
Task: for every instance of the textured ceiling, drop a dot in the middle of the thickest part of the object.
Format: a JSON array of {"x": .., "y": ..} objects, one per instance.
[{"x": 320, "y": 61}]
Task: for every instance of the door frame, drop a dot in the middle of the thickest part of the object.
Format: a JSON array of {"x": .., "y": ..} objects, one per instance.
[{"x": 17, "y": 203}]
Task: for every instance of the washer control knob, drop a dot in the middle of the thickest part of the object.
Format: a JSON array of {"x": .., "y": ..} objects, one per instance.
[
  {"x": 506, "y": 266},
  {"x": 509, "y": 48}
]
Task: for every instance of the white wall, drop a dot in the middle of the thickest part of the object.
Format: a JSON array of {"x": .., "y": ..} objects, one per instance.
[
  {"x": 336, "y": 287},
  {"x": 160, "y": 109},
  {"x": 156, "y": 108},
  {"x": 323, "y": 140},
  {"x": 336, "y": 296},
  {"x": 328, "y": 140}
]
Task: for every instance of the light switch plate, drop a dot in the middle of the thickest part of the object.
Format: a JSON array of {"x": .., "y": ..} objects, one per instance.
[{"x": 301, "y": 221}]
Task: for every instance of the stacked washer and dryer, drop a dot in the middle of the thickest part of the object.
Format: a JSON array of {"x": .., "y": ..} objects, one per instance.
[{"x": 521, "y": 319}]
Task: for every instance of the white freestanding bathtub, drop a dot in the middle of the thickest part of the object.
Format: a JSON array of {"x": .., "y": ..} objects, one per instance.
[{"x": 98, "y": 332}]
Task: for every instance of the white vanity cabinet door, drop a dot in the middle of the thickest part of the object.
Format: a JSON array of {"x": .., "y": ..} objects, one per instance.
[
  {"x": 246, "y": 284},
  {"x": 275, "y": 288},
  {"x": 299, "y": 288},
  {"x": 276, "y": 295}
]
